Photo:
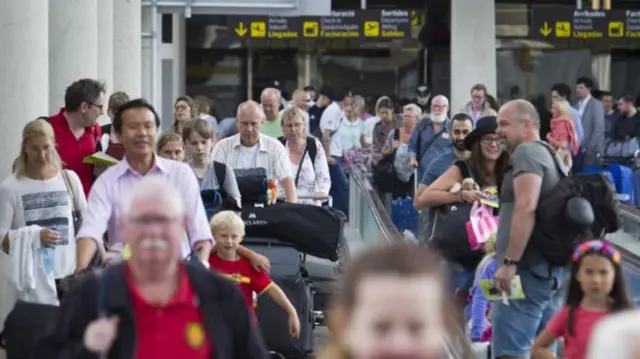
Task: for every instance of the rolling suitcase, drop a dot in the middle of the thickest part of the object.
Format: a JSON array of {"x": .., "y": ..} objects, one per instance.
[{"x": 287, "y": 271}]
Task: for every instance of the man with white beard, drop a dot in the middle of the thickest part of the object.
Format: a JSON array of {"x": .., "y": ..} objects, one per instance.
[
  {"x": 431, "y": 136},
  {"x": 154, "y": 305}
]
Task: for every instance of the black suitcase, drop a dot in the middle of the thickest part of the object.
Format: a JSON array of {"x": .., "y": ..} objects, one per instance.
[{"x": 286, "y": 271}]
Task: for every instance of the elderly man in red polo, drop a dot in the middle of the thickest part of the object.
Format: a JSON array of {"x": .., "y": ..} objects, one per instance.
[{"x": 154, "y": 306}]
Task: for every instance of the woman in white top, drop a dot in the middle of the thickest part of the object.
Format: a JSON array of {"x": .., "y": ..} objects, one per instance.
[
  {"x": 312, "y": 178},
  {"x": 40, "y": 193}
]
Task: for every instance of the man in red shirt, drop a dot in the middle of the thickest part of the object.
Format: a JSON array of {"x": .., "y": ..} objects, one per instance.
[
  {"x": 76, "y": 128},
  {"x": 153, "y": 306}
]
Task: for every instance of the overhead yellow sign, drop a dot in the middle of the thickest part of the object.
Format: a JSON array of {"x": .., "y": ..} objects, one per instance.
[
  {"x": 616, "y": 29},
  {"x": 348, "y": 24},
  {"x": 241, "y": 30},
  {"x": 545, "y": 30},
  {"x": 258, "y": 29},
  {"x": 310, "y": 29},
  {"x": 563, "y": 29},
  {"x": 371, "y": 29}
]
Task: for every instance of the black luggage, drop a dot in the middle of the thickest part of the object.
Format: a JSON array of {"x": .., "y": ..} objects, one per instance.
[
  {"x": 287, "y": 271},
  {"x": 24, "y": 327},
  {"x": 314, "y": 230}
]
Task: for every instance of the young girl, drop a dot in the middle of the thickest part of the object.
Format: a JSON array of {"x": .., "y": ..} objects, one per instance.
[
  {"x": 563, "y": 136},
  {"x": 480, "y": 330},
  {"x": 170, "y": 146},
  {"x": 596, "y": 289},
  {"x": 392, "y": 303}
]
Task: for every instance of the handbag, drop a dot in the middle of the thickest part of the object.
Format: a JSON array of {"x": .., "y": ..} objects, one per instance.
[
  {"x": 482, "y": 224},
  {"x": 447, "y": 231}
]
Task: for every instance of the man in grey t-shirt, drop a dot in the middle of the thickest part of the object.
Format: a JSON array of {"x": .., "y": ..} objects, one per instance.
[{"x": 532, "y": 174}]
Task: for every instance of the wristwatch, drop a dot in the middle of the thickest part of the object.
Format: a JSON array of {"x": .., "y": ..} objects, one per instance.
[{"x": 510, "y": 262}]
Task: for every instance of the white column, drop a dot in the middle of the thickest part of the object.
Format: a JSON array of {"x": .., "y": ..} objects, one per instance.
[
  {"x": 147, "y": 56},
  {"x": 73, "y": 40},
  {"x": 473, "y": 49},
  {"x": 105, "y": 43},
  {"x": 24, "y": 70},
  {"x": 127, "y": 47},
  {"x": 105, "y": 48}
]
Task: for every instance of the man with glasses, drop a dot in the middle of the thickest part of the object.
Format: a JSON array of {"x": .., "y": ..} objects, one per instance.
[
  {"x": 136, "y": 123},
  {"x": 153, "y": 304},
  {"x": 478, "y": 107},
  {"x": 76, "y": 127}
]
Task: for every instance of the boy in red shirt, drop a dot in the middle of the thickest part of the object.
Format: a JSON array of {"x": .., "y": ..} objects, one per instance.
[{"x": 228, "y": 230}]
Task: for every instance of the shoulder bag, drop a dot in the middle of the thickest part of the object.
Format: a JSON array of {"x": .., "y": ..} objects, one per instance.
[{"x": 447, "y": 231}]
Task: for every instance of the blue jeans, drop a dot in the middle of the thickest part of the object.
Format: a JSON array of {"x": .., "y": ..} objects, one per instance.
[
  {"x": 339, "y": 186},
  {"x": 516, "y": 325}
]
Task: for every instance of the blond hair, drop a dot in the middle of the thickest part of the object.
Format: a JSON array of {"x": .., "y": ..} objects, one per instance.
[
  {"x": 227, "y": 221},
  {"x": 414, "y": 108},
  {"x": 33, "y": 129},
  {"x": 167, "y": 137},
  {"x": 564, "y": 109},
  {"x": 292, "y": 112},
  {"x": 490, "y": 253}
]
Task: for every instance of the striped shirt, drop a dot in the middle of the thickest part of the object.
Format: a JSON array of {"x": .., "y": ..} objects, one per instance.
[{"x": 269, "y": 154}]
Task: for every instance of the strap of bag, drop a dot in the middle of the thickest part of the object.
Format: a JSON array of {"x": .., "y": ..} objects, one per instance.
[
  {"x": 554, "y": 157},
  {"x": 431, "y": 141},
  {"x": 304, "y": 153},
  {"x": 67, "y": 183},
  {"x": 312, "y": 149},
  {"x": 103, "y": 292},
  {"x": 220, "y": 170}
]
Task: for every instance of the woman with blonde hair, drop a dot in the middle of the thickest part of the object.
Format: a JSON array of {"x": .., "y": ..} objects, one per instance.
[
  {"x": 563, "y": 136},
  {"x": 41, "y": 199},
  {"x": 307, "y": 159}
]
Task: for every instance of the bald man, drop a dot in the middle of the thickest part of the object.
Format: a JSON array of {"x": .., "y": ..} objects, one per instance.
[
  {"x": 252, "y": 152},
  {"x": 270, "y": 100},
  {"x": 300, "y": 99},
  {"x": 533, "y": 174}
]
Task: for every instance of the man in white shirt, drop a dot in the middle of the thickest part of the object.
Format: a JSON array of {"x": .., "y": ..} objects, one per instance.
[
  {"x": 250, "y": 149},
  {"x": 592, "y": 116},
  {"x": 330, "y": 123}
]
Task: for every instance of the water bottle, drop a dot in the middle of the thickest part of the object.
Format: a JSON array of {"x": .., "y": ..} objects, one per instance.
[{"x": 47, "y": 256}]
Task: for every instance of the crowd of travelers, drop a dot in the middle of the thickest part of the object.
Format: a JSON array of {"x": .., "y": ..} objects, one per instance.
[{"x": 131, "y": 197}]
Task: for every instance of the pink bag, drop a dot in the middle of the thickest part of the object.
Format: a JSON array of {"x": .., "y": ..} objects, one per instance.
[{"x": 481, "y": 225}]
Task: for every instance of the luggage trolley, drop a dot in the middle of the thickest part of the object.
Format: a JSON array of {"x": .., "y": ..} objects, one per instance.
[{"x": 289, "y": 269}]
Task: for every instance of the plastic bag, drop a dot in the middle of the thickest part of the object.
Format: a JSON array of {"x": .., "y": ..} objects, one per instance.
[{"x": 482, "y": 224}]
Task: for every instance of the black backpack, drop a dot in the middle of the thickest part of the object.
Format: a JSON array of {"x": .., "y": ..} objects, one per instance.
[
  {"x": 552, "y": 236},
  {"x": 311, "y": 148}
]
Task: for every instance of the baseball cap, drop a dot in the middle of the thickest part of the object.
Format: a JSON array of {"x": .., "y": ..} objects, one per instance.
[{"x": 423, "y": 90}]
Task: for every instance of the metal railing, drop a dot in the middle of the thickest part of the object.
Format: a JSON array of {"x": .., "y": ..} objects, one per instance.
[{"x": 367, "y": 213}]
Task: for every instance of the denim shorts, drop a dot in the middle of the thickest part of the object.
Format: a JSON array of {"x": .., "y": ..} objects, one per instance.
[{"x": 516, "y": 325}]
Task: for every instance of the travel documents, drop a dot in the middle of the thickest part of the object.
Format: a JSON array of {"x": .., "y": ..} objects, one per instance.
[
  {"x": 492, "y": 294},
  {"x": 100, "y": 159}
]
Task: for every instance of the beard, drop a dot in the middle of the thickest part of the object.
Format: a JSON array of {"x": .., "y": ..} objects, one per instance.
[{"x": 438, "y": 118}]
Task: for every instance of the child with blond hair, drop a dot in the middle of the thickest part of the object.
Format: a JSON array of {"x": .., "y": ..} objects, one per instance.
[{"x": 227, "y": 228}]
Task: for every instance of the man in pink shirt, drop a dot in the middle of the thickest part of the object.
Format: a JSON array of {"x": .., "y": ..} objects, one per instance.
[{"x": 136, "y": 124}]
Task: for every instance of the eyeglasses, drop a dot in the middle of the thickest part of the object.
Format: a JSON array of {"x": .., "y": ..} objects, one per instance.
[
  {"x": 491, "y": 140},
  {"x": 293, "y": 125},
  {"x": 161, "y": 221},
  {"x": 99, "y": 107}
]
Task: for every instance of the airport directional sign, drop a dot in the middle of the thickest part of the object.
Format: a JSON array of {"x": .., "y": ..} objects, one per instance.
[
  {"x": 347, "y": 24},
  {"x": 565, "y": 24}
]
